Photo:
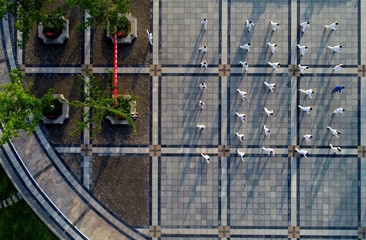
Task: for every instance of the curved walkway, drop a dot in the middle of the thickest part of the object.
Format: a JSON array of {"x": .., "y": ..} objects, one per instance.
[{"x": 48, "y": 187}]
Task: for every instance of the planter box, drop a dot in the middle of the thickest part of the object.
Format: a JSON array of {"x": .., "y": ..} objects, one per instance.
[
  {"x": 59, "y": 40},
  {"x": 65, "y": 111},
  {"x": 130, "y": 37},
  {"x": 116, "y": 121}
]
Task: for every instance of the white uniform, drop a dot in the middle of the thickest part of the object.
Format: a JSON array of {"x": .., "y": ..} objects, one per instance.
[
  {"x": 150, "y": 37},
  {"x": 241, "y": 154},
  {"x": 274, "y": 26},
  {"x": 335, "y": 149},
  {"x": 204, "y": 22},
  {"x": 203, "y": 49},
  {"x": 306, "y": 109},
  {"x": 275, "y": 65},
  {"x": 248, "y": 25},
  {"x": 242, "y": 116},
  {"x": 338, "y": 110},
  {"x": 270, "y": 86},
  {"x": 240, "y": 136},
  {"x": 200, "y": 126},
  {"x": 302, "y": 49},
  {"x": 266, "y": 131},
  {"x": 335, "y": 132},
  {"x": 307, "y": 137},
  {"x": 337, "y": 68},
  {"x": 273, "y": 47},
  {"x": 202, "y": 85},
  {"x": 336, "y": 48},
  {"x": 302, "y": 68},
  {"x": 244, "y": 65},
  {"x": 307, "y": 92},
  {"x": 242, "y": 94},
  {"x": 206, "y": 157},
  {"x": 304, "y": 26},
  {"x": 332, "y": 26},
  {"x": 245, "y": 47},
  {"x": 201, "y": 104},
  {"x": 269, "y": 113},
  {"x": 269, "y": 151},
  {"x": 302, "y": 152},
  {"x": 203, "y": 64}
]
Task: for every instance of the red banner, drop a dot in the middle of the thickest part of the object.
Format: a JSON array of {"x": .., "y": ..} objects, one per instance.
[{"x": 115, "y": 70}]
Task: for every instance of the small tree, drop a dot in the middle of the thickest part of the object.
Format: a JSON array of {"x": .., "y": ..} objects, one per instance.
[
  {"x": 26, "y": 12},
  {"x": 101, "y": 104},
  {"x": 101, "y": 11},
  {"x": 19, "y": 109}
]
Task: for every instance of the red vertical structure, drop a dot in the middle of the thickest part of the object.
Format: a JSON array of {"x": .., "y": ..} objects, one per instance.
[{"x": 115, "y": 70}]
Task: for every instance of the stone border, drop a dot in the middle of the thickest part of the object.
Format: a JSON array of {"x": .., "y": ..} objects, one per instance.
[{"x": 60, "y": 39}]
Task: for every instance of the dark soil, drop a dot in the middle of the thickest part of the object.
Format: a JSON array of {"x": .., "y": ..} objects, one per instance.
[
  {"x": 122, "y": 134},
  {"x": 73, "y": 162},
  {"x": 122, "y": 183},
  {"x": 135, "y": 53},
  {"x": 36, "y": 52},
  {"x": 70, "y": 87}
]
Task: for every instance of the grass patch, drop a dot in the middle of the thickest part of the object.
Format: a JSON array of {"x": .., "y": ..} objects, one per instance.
[{"x": 19, "y": 221}]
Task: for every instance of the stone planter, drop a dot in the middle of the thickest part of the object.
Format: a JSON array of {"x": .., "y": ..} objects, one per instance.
[
  {"x": 131, "y": 36},
  {"x": 118, "y": 121},
  {"x": 58, "y": 40},
  {"x": 65, "y": 111}
]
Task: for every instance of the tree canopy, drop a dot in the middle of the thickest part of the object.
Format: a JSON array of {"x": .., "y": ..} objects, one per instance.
[{"x": 19, "y": 109}]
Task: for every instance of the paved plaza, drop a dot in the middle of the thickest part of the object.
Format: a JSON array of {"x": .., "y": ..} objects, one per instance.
[{"x": 275, "y": 197}]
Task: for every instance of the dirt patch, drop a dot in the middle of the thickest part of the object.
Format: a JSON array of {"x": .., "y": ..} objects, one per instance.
[
  {"x": 136, "y": 53},
  {"x": 36, "y": 52},
  {"x": 70, "y": 87},
  {"x": 122, "y": 183},
  {"x": 73, "y": 162}
]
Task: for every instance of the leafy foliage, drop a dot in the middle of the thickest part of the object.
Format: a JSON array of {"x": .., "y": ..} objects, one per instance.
[
  {"x": 98, "y": 99},
  {"x": 102, "y": 10},
  {"x": 53, "y": 22},
  {"x": 19, "y": 109},
  {"x": 26, "y": 12}
]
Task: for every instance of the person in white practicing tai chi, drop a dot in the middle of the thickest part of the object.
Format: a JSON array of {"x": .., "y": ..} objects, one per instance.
[
  {"x": 337, "y": 68},
  {"x": 301, "y": 152},
  {"x": 306, "y": 109},
  {"x": 336, "y": 48},
  {"x": 302, "y": 68},
  {"x": 335, "y": 149},
  {"x": 245, "y": 47},
  {"x": 200, "y": 126},
  {"x": 307, "y": 137},
  {"x": 335, "y": 132},
  {"x": 339, "y": 110},
  {"x": 275, "y": 26},
  {"x": 275, "y": 65},
  {"x": 204, "y": 22},
  {"x": 269, "y": 151},
  {"x": 272, "y": 46},
  {"x": 242, "y": 94},
  {"x": 307, "y": 92},
  {"x": 266, "y": 131},
  {"x": 150, "y": 37},
  {"x": 304, "y": 26},
  {"x": 302, "y": 49},
  {"x": 240, "y": 136},
  {"x": 206, "y": 157},
  {"x": 241, "y": 154},
  {"x": 332, "y": 26},
  {"x": 248, "y": 25},
  {"x": 269, "y": 113},
  {"x": 242, "y": 116},
  {"x": 244, "y": 65},
  {"x": 270, "y": 86}
]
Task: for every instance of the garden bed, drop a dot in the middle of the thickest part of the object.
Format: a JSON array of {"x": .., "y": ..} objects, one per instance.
[
  {"x": 70, "y": 87},
  {"x": 122, "y": 184}
]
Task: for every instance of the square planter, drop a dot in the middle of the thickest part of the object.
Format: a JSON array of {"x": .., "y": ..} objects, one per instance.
[
  {"x": 65, "y": 111},
  {"x": 59, "y": 40},
  {"x": 131, "y": 36}
]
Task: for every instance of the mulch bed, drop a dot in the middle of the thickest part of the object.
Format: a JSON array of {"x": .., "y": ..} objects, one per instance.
[
  {"x": 122, "y": 183},
  {"x": 122, "y": 134},
  {"x": 70, "y": 87},
  {"x": 36, "y": 52},
  {"x": 136, "y": 53}
]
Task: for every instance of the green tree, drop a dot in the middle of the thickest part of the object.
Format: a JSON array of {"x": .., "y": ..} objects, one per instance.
[
  {"x": 19, "y": 109},
  {"x": 26, "y": 12},
  {"x": 101, "y": 11},
  {"x": 99, "y": 100}
]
